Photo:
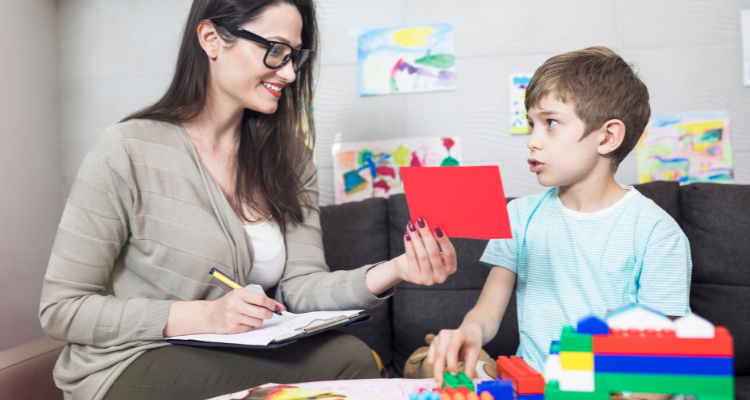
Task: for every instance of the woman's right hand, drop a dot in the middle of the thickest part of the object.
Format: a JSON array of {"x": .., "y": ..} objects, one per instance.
[
  {"x": 240, "y": 311},
  {"x": 454, "y": 345}
]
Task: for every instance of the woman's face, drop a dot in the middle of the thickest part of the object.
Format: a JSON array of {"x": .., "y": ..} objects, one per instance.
[{"x": 239, "y": 74}]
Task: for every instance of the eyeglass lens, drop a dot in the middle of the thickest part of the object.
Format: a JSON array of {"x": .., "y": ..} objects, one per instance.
[{"x": 278, "y": 54}]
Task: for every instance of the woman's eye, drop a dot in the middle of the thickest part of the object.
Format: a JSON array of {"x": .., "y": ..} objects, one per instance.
[
  {"x": 551, "y": 123},
  {"x": 276, "y": 50}
]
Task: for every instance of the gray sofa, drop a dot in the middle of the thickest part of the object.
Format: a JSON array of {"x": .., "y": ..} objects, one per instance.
[{"x": 715, "y": 218}]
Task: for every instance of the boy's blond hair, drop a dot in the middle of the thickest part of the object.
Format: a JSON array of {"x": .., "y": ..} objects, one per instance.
[{"x": 600, "y": 86}]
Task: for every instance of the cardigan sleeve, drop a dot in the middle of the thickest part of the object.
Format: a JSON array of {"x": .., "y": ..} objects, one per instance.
[
  {"x": 76, "y": 304},
  {"x": 307, "y": 283}
]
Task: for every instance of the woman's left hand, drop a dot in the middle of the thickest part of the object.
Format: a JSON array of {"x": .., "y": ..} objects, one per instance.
[{"x": 424, "y": 263}]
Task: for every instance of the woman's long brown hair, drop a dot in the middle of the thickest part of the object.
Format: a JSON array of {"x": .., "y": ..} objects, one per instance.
[{"x": 273, "y": 148}]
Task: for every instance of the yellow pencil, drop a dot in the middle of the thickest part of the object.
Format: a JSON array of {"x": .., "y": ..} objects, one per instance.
[{"x": 232, "y": 284}]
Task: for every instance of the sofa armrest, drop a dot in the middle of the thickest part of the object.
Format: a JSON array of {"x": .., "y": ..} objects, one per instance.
[{"x": 26, "y": 371}]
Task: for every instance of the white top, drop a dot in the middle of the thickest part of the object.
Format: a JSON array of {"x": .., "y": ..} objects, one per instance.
[
  {"x": 596, "y": 214},
  {"x": 269, "y": 253}
]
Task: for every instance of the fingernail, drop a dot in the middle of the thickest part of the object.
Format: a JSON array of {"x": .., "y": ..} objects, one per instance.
[
  {"x": 411, "y": 226},
  {"x": 438, "y": 232},
  {"x": 408, "y": 238},
  {"x": 420, "y": 222}
]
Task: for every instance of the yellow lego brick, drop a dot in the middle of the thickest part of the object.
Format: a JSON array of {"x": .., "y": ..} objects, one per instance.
[{"x": 577, "y": 360}]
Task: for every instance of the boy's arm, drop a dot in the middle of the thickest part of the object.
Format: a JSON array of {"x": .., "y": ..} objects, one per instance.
[
  {"x": 479, "y": 327},
  {"x": 664, "y": 282}
]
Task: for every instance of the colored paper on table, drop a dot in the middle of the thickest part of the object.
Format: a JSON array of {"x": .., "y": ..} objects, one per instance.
[{"x": 465, "y": 202}]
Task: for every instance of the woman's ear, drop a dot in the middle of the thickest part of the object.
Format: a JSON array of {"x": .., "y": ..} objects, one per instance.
[
  {"x": 209, "y": 39},
  {"x": 614, "y": 134}
]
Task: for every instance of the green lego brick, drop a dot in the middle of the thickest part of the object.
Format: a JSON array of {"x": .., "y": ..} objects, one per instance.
[
  {"x": 455, "y": 382},
  {"x": 553, "y": 392},
  {"x": 697, "y": 385},
  {"x": 572, "y": 341}
]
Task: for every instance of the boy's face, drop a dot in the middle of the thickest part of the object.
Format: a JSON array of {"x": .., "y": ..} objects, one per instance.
[{"x": 559, "y": 156}]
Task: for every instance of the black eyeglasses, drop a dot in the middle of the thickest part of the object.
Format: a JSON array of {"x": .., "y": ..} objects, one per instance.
[{"x": 277, "y": 54}]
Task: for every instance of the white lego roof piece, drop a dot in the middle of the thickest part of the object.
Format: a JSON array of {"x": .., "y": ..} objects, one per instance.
[
  {"x": 636, "y": 316},
  {"x": 694, "y": 326}
]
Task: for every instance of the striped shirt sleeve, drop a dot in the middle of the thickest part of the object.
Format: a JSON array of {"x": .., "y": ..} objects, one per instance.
[
  {"x": 664, "y": 283},
  {"x": 504, "y": 252}
]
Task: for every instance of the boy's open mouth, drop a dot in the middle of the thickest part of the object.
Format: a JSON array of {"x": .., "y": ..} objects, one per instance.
[{"x": 535, "y": 165}]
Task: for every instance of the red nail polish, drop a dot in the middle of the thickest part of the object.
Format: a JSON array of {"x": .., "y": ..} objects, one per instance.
[
  {"x": 439, "y": 232},
  {"x": 420, "y": 222},
  {"x": 412, "y": 227},
  {"x": 408, "y": 238}
]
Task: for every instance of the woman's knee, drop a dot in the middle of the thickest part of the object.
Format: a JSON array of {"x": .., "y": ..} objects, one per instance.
[{"x": 351, "y": 356}]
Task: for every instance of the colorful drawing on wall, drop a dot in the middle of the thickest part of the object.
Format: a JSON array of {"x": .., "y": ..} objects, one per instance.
[
  {"x": 686, "y": 147},
  {"x": 406, "y": 60},
  {"x": 370, "y": 169},
  {"x": 358, "y": 389},
  {"x": 519, "y": 125}
]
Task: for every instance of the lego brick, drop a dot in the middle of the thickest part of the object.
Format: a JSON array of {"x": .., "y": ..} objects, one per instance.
[
  {"x": 554, "y": 348},
  {"x": 530, "y": 397},
  {"x": 637, "y": 316},
  {"x": 592, "y": 325},
  {"x": 572, "y": 341},
  {"x": 577, "y": 360},
  {"x": 553, "y": 392},
  {"x": 696, "y": 385},
  {"x": 525, "y": 379},
  {"x": 694, "y": 326},
  {"x": 552, "y": 368},
  {"x": 488, "y": 396},
  {"x": 457, "y": 381},
  {"x": 663, "y": 342},
  {"x": 673, "y": 365},
  {"x": 500, "y": 389},
  {"x": 576, "y": 381}
]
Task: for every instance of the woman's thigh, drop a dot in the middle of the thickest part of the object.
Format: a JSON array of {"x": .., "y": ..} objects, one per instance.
[{"x": 187, "y": 372}]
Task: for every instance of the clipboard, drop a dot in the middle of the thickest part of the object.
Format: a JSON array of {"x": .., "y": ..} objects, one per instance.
[{"x": 284, "y": 340}]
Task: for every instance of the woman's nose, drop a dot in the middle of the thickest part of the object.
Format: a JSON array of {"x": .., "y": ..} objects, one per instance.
[{"x": 286, "y": 73}]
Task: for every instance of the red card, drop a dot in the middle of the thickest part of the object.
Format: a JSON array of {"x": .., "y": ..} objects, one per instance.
[{"x": 465, "y": 202}]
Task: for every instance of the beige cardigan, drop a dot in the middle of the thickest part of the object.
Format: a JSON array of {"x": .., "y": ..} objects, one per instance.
[{"x": 143, "y": 225}]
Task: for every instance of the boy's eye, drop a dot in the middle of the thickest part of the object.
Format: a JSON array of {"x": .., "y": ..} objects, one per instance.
[{"x": 551, "y": 122}]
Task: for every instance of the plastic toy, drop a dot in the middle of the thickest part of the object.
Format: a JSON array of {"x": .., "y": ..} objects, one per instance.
[
  {"x": 525, "y": 379},
  {"x": 648, "y": 356},
  {"x": 456, "y": 381},
  {"x": 500, "y": 389}
]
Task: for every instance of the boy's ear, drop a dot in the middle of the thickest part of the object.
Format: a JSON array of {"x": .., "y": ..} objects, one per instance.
[{"x": 612, "y": 133}]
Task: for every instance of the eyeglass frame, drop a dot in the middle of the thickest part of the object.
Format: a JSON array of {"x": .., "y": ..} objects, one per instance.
[{"x": 245, "y": 34}]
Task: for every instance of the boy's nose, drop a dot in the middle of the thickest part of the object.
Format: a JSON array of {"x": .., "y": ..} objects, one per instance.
[{"x": 533, "y": 143}]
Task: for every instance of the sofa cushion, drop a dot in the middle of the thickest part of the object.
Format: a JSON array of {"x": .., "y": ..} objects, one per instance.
[
  {"x": 420, "y": 310},
  {"x": 356, "y": 234},
  {"x": 716, "y": 220},
  {"x": 742, "y": 387},
  {"x": 665, "y": 194}
]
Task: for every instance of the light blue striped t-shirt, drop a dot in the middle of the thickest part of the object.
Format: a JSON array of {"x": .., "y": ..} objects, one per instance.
[{"x": 571, "y": 264}]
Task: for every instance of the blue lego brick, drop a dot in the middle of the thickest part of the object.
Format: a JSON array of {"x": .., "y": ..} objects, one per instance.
[
  {"x": 672, "y": 365},
  {"x": 500, "y": 389},
  {"x": 592, "y": 325},
  {"x": 530, "y": 397}
]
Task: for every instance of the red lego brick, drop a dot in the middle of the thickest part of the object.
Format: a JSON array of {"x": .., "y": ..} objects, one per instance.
[
  {"x": 525, "y": 379},
  {"x": 650, "y": 342}
]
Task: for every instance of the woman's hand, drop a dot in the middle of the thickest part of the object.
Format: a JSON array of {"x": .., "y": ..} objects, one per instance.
[
  {"x": 454, "y": 345},
  {"x": 240, "y": 311},
  {"x": 237, "y": 311},
  {"x": 424, "y": 263}
]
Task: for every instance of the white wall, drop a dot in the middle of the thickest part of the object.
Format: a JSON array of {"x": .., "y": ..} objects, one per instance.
[
  {"x": 31, "y": 198},
  {"x": 689, "y": 53}
]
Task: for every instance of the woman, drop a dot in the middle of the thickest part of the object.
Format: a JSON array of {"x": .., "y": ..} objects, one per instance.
[{"x": 216, "y": 174}]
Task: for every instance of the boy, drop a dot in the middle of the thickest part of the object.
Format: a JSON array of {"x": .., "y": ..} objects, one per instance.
[{"x": 588, "y": 244}]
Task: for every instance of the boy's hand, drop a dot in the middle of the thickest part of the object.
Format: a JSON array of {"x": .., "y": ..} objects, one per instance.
[
  {"x": 451, "y": 346},
  {"x": 424, "y": 263}
]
